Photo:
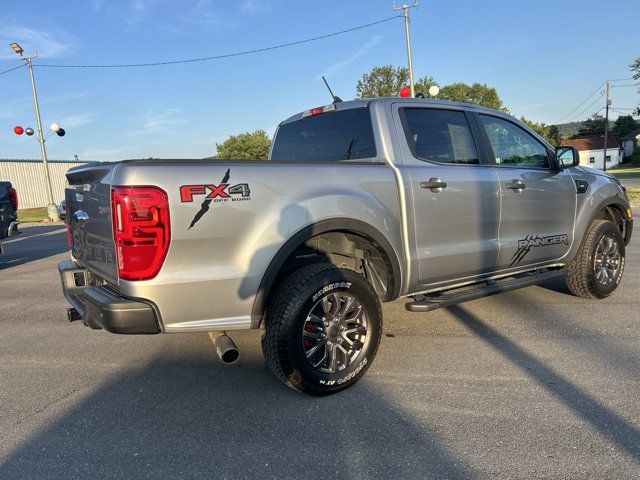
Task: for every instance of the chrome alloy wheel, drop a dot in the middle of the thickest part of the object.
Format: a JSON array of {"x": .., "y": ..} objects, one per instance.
[
  {"x": 607, "y": 261},
  {"x": 334, "y": 332}
]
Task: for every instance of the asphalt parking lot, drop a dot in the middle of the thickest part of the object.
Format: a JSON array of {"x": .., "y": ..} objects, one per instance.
[{"x": 532, "y": 383}]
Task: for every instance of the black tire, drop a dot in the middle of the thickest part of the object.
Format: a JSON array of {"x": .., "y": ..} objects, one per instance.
[
  {"x": 581, "y": 278},
  {"x": 288, "y": 316}
]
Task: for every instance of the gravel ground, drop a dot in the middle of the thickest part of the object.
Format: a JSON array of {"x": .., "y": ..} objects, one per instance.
[{"x": 531, "y": 383}]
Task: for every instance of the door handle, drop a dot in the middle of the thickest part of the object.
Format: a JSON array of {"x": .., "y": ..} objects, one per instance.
[
  {"x": 434, "y": 184},
  {"x": 517, "y": 185}
]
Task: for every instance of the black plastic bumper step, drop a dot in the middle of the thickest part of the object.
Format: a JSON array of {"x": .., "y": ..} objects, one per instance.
[{"x": 426, "y": 303}]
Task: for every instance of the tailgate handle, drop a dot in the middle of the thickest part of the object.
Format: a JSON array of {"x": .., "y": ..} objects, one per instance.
[{"x": 81, "y": 217}]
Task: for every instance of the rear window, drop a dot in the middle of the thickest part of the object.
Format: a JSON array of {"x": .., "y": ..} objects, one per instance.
[
  {"x": 339, "y": 135},
  {"x": 441, "y": 136}
]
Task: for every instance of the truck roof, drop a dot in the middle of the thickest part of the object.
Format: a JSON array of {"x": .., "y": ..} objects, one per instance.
[{"x": 364, "y": 102}]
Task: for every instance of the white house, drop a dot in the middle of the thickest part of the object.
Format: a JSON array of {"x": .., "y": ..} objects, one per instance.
[
  {"x": 591, "y": 150},
  {"x": 631, "y": 142}
]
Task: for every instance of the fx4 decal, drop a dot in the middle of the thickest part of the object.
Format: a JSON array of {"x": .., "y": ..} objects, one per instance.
[
  {"x": 532, "y": 241},
  {"x": 222, "y": 192}
]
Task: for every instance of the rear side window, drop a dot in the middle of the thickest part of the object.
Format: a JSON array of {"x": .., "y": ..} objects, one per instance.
[
  {"x": 513, "y": 146},
  {"x": 441, "y": 136},
  {"x": 339, "y": 135}
]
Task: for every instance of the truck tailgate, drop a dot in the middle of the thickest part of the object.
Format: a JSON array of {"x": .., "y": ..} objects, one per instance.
[{"x": 88, "y": 203}]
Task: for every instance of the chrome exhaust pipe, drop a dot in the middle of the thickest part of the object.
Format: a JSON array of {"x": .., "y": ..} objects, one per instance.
[{"x": 225, "y": 348}]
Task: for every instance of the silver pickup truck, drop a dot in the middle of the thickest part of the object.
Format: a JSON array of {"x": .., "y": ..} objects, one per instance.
[{"x": 361, "y": 202}]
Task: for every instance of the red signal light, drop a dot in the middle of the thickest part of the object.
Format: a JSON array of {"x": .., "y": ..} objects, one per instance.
[
  {"x": 13, "y": 198},
  {"x": 141, "y": 230},
  {"x": 405, "y": 92},
  {"x": 18, "y": 130}
]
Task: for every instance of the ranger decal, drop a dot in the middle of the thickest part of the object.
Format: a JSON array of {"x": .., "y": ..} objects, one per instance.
[{"x": 532, "y": 241}]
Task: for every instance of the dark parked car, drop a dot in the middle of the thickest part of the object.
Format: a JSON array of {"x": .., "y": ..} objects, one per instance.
[{"x": 8, "y": 211}]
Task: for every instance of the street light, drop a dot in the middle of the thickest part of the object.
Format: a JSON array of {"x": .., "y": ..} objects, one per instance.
[
  {"x": 52, "y": 209},
  {"x": 17, "y": 48}
]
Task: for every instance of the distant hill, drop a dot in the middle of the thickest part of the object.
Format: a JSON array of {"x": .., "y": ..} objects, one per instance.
[{"x": 571, "y": 128}]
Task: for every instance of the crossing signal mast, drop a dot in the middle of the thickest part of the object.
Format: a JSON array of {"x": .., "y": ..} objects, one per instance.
[{"x": 405, "y": 13}]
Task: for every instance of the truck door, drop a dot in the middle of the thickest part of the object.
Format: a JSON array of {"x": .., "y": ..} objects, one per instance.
[
  {"x": 538, "y": 201},
  {"x": 453, "y": 199}
]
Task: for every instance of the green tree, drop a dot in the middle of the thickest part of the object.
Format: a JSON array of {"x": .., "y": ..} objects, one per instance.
[
  {"x": 635, "y": 68},
  {"x": 541, "y": 129},
  {"x": 476, "y": 93},
  {"x": 423, "y": 84},
  {"x": 592, "y": 126},
  {"x": 245, "y": 146},
  {"x": 624, "y": 124},
  {"x": 386, "y": 81},
  {"x": 554, "y": 136},
  {"x": 383, "y": 81}
]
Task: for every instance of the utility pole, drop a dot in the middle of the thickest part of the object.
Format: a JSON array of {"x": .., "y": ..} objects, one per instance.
[
  {"x": 52, "y": 209},
  {"x": 606, "y": 125},
  {"x": 405, "y": 13}
]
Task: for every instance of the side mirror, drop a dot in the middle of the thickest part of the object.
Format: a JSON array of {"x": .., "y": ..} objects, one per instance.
[{"x": 567, "y": 157}]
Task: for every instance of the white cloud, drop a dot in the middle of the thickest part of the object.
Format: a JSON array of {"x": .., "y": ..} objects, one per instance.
[
  {"x": 62, "y": 98},
  {"x": 48, "y": 44},
  {"x": 205, "y": 14},
  {"x": 157, "y": 121},
  {"x": 342, "y": 64},
  {"x": 142, "y": 5},
  {"x": 75, "y": 120},
  {"x": 255, "y": 7}
]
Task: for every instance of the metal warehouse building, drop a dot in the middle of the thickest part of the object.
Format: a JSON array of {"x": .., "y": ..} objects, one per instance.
[{"x": 28, "y": 178}]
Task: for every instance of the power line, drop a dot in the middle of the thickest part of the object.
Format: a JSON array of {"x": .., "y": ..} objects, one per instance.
[
  {"x": 621, "y": 79},
  {"x": 585, "y": 101},
  {"x": 12, "y": 69},
  {"x": 626, "y": 85},
  {"x": 588, "y": 107},
  {"x": 227, "y": 55},
  {"x": 625, "y": 111}
]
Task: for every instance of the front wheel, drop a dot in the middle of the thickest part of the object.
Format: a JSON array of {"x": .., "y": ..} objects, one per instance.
[
  {"x": 322, "y": 329},
  {"x": 597, "y": 269}
]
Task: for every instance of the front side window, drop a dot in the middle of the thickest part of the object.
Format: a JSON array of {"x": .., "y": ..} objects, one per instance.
[
  {"x": 441, "y": 136},
  {"x": 513, "y": 146},
  {"x": 340, "y": 135}
]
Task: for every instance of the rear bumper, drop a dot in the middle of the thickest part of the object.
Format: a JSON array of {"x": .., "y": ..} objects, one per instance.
[
  {"x": 12, "y": 229},
  {"x": 101, "y": 307}
]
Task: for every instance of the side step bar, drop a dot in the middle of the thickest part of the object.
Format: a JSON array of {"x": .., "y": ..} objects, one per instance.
[{"x": 426, "y": 303}]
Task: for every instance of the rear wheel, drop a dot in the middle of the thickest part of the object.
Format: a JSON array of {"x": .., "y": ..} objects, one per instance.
[
  {"x": 322, "y": 329},
  {"x": 597, "y": 269}
]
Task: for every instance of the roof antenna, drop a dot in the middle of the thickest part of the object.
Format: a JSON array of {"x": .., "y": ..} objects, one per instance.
[{"x": 335, "y": 99}]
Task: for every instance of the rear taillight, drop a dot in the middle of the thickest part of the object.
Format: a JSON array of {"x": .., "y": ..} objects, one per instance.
[
  {"x": 13, "y": 198},
  {"x": 69, "y": 238},
  {"x": 141, "y": 230}
]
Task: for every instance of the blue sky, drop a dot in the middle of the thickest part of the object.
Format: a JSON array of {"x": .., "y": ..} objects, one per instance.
[{"x": 544, "y": 57}]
